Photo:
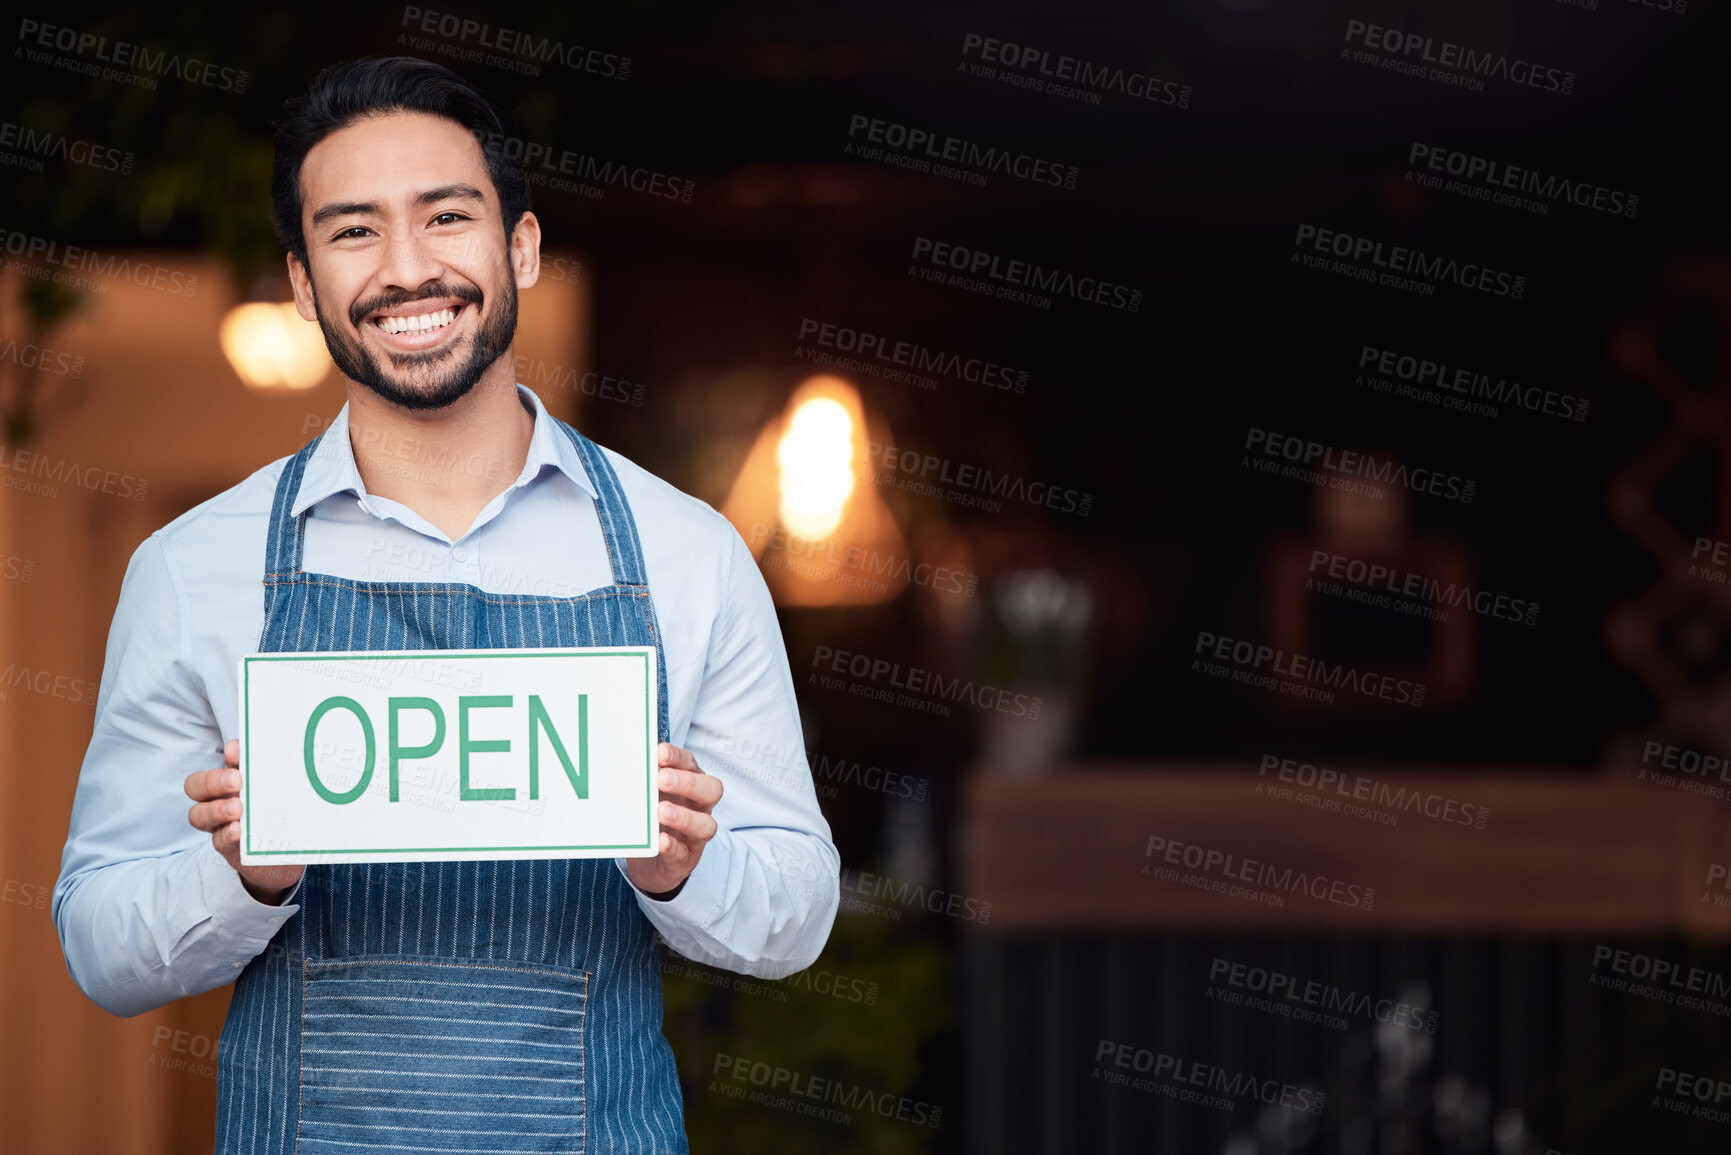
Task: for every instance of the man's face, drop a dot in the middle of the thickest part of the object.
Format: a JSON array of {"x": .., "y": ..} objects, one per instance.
[{"x": 410, "y": 274}]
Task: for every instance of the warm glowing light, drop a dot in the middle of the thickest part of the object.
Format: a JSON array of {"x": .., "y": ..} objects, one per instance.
[
  {"x": 806, "y": 506},
  {"x": 270, "y": 346},
  {"x": 815, "y": 457}
]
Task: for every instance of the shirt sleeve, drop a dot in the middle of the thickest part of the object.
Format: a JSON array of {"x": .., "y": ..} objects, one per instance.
[
  {"x": 147, "y": 910},
  {"x": 764, "y": 895}
]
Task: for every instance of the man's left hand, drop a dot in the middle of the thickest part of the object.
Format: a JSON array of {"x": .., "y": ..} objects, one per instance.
[{"x": 687, "y": 797}]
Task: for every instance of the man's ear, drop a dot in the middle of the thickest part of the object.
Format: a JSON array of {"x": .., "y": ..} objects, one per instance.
[
  {"x": 525, "y": 252},
  {"x": 303, "y": 287}
]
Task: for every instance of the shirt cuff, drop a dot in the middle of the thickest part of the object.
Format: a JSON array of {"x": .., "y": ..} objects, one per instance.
[
  {"x": 243, "y": 920},
  {"x": 699, "y": 900}
]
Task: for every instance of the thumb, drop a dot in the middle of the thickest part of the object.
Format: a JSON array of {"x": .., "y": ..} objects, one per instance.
[{"x": 231, "y": 752}]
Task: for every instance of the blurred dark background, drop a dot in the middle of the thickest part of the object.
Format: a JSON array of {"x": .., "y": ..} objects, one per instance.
[{"x": 999, "y": 1029}]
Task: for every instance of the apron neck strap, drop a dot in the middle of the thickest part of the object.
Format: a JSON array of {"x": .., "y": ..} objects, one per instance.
[
  {"x": 618, "y": 528},
  {"x": 283, "y": 545}
]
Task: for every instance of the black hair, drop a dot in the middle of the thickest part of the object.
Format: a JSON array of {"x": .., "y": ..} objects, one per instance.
[{"x": 378, "y": 86}]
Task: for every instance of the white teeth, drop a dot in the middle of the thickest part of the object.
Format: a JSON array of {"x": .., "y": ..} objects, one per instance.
[{"x": 418, "y": 324}]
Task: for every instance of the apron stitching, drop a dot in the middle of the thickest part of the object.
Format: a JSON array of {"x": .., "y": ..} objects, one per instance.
[
  {"x": 618, "y": 590},
  {"x": 301, "y": 1079},
  {"x": 369, "y": 961},
  {"x": 583, "y": 1055},
  {"x": 607, "y": 527}
]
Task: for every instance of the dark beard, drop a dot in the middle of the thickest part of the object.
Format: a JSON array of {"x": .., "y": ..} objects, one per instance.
[{"x": 490, "y": 341}]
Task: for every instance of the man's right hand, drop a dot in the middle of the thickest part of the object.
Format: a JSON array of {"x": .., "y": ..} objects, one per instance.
[{"x": 216, "y": 794}]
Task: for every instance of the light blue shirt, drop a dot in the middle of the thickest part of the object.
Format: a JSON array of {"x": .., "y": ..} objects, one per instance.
[{"x": 148, "y": 912}]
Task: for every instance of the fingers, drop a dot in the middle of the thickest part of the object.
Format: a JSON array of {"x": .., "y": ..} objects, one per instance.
[
  {"x": 203, "y": 785},
  {"x": 699, "y": 790},
  {"x": 690, "y": 826},
  {"x": 667, "y": 754},
  {"x": 213, "y": 816}
]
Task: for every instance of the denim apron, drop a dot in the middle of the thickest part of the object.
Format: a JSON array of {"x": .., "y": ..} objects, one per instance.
[{"x": 496, "y": 1007}]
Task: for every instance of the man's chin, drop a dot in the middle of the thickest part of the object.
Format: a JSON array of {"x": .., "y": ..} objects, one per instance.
[{"x": 419, "y": 393}]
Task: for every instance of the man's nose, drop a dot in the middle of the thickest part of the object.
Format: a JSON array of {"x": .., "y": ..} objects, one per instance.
[{"x": 410, "y": 260}]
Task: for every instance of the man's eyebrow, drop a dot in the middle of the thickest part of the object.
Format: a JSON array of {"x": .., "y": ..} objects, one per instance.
[
  {"x": 447, "y": 192},
  {"x": 344, "y": 209},
  {"x": 444, "y": 192}
]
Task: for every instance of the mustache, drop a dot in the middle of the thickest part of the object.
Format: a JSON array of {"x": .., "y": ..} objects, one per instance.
[{"x": 359, "y": 311}]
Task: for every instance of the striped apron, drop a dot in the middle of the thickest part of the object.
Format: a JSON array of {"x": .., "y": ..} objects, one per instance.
[{"x": 496, "y": 1007}]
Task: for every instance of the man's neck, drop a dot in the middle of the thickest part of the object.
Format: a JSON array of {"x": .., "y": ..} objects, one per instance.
[{"x": 444, "y": 464}]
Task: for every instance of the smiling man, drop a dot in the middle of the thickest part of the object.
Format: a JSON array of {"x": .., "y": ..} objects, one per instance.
[{"x": 451, "y": 1006}]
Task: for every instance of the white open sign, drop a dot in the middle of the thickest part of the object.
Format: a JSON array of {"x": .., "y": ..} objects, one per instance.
[{"x": 427, "y": 755}]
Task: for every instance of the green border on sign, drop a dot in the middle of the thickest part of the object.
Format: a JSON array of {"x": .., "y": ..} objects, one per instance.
[{"x": 650, "y": 717}]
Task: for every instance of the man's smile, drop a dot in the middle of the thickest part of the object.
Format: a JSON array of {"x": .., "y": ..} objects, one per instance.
[{"x": 418, "y": 324}]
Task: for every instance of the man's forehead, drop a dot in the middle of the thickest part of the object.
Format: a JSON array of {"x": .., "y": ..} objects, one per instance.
[{"x": 393, "y": 155}]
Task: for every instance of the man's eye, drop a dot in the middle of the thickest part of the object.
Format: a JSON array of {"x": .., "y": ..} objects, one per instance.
[
  {"x": 352, "y": 232},
  {"x": 449, "y": 218}
]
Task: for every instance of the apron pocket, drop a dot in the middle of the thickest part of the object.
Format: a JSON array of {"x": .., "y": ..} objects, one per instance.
[{"x": 406, "y": 1055}]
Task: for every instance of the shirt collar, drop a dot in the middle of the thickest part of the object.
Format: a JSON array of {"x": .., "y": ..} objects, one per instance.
[{"x": 331, "y": 469}]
